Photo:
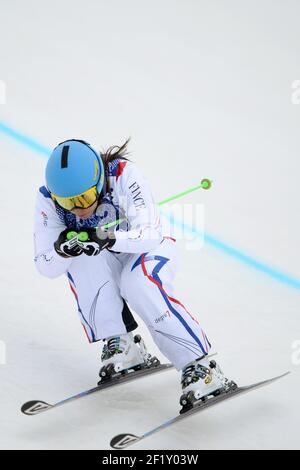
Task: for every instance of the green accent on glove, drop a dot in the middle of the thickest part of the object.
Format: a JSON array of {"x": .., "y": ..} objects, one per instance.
[
  {"x": 83, "y": 236},
  {"x": 71, "y": 234}
]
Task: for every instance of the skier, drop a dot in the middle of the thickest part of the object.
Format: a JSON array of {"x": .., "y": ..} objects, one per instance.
[{"x": 129, "y": 262}]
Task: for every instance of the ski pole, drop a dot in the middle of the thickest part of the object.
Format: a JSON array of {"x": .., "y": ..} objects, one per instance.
[
  {"x": 205, "y": 184},
  {"x": 83, "y": 236}
]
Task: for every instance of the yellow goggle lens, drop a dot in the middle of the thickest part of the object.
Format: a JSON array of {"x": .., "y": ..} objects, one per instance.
[{"x": 82, "y": 201}]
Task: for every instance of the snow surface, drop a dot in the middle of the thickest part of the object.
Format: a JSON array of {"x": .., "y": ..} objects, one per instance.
[{"x": 204, "y": 89}]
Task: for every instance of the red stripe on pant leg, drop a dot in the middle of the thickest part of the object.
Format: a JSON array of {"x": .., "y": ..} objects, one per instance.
[
  {"x": 86, "y": 333},
  {"x": 205, "y": 340},
  {"x": 162, "y": 289},
  {"x": 74, "y": 291},
  {"x": 148, "y": 276},
  {"x": 179, "y": 303},
  {"x": 170, "y": 238},
  {"x": 76, "y": 297}
]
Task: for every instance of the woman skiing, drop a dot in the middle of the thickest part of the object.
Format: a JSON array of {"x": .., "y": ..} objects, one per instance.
[{"x": 129, "y": 262}]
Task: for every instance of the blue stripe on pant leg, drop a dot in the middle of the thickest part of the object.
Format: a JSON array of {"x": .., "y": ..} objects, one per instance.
[
  {"x": 180, "y": 318},
  {"x": 80, "y": 311}
]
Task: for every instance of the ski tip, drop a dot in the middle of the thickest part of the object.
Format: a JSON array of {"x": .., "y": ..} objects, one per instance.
[
  {"x": 35, "y": 407},
  {"x": 266, "y": 382},
  {"x": 281, "y": 376},
  {"x": 121, "y": 441},
  {"x": 286, "y": 373}
]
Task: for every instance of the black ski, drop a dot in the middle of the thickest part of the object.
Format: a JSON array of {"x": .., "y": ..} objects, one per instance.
[
  {"x": 121, "y": 441},
  {"x": 35, "y": 407}
]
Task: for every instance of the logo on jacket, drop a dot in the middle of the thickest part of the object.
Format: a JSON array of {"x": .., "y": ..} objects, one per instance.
[
  {"x": 45, "y": 218},
  {"x": 136, "y": 192},
  {"x": 163, "y": 317}
]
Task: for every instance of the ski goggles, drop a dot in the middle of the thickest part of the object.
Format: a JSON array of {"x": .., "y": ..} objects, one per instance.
[{"x": 82, "y": 201}]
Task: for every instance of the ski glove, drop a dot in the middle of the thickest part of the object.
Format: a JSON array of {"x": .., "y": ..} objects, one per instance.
[
  {"x": 67, "y": 244},
  {"x": 92, "y": 244}
]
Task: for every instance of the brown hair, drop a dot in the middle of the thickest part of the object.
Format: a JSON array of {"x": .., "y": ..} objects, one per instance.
[{"x": 113, "y": 153}]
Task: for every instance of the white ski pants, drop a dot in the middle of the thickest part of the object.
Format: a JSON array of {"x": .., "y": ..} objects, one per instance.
[{"x": 100, "y": 283}]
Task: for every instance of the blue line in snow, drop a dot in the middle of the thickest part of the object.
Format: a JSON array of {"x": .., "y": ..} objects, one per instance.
[
  {"x": 235, "y": 253},
  {"x": 214, "y": 242},
  {"x": 24, "y": 140}
]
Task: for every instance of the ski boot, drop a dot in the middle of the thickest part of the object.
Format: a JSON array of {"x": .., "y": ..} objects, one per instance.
[
  {"x": 124, "y": 354},
  {"x": 200, "y": 379}
]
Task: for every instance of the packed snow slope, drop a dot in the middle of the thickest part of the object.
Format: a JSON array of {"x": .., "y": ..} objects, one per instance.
[{"x": 205, "y": 89}]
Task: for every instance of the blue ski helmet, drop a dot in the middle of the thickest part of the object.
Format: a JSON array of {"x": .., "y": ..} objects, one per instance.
[{"x": 73, "y": 168}]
